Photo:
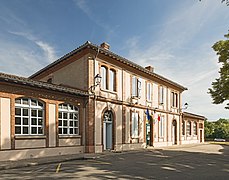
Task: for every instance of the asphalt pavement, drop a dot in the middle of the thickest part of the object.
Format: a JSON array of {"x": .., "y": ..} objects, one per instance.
[{"x": 202, "y": 161}]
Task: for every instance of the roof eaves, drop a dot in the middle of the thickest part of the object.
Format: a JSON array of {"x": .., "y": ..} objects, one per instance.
[
  {"x": 134, "y": 65},
  {"x": 193, "y": 115}
]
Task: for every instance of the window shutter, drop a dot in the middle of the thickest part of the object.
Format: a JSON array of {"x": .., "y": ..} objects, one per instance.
[
  {"x": 134, "y": 92},
  {"x": 139, "y": 87}
]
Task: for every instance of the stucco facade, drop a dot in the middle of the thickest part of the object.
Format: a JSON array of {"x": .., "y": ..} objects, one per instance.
[{"x": 132, "y": 107}]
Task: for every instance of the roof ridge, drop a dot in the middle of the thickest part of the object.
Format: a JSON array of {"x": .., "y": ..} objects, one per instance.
[{"x": 118, "y": 57}]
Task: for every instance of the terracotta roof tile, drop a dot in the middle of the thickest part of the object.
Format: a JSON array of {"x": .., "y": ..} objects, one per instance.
[{"x": 39, "y": 84}]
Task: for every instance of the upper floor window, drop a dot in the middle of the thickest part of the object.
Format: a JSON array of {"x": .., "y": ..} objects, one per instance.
[
  {"x": 29, "y": 117},
  {"x": 112, "y": 79},
  {"x": 188, "y": 129},
  {"x": 195, "y": 128},
  {"x": 68, "y": 119},
  {"x": 134, "y": 125},
  {"x": 104, "y": 77},
  {"x": 174, "y": 99},
  {"x": 136, "y": 87},
  {"x": 149, "y": 92},
  {"x": 161, "y": 95},
  {"x": 108, "y": 81}
]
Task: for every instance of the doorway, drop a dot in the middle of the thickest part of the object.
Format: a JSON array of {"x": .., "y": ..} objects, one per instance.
[
  {"x": 108, "y": 118},
  {"x": 201, "y": 136},
  {"x": 174, "y": 132}
]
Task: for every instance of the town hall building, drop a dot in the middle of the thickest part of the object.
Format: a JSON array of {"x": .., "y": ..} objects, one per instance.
[{"x": 92, "y": 100}]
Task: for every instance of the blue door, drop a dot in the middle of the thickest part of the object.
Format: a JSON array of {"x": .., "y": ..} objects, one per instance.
[{"x": 108, "y": 130}]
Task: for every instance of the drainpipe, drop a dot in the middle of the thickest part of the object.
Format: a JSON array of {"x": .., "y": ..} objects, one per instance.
[{"x": 84, "y": 124}]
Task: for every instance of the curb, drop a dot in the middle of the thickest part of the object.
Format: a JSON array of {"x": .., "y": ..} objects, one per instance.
[{"x": 37, "y": 161}]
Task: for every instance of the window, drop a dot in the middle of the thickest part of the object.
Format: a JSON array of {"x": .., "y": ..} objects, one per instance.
[
  {"x": 134, "y": 124},
  {"x": 108, "y": 81},
  {"x": 161, "y": 127},
  {"x": 136, "y": 87},
  {"x": 195, "y": 128},
  {"x": 104, "y": 77},
  {"x": 68, "y": 120},
  {"x": 183, "y": 127},
  {"x": 161, "y": 95},
  {"x": 149, "y": 92},
  {"x": 112, "y": 80},
  {"x": 29, "y": 117},
  {"x": 188, "y": 129},
  {"x": 174, "y": 98}
]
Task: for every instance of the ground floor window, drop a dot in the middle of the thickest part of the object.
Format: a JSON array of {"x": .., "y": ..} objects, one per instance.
[
  {"x": 195, "y": 128},
  {"x": 29, "y": 117},
  {"x": 68, "y": 119},
  {"x": 134, "y": 124},
  {"x": 188, "y": 129}
]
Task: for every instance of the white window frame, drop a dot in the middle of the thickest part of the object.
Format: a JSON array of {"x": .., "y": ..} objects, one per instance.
[
  {"x": 34, "y": 118},
  {"x": 134, "y": 126},
  {"x": 195, "y": 128},
  {"x": 188, "y": 128},
  {"x": 149, "y": 91},
  {"x": 111, "y": 80},
  {"x": 161, "y": 95},
  {"x": 68, "y": 119},
  {"x": 174, "y": 99},
  {"x": 104, "y": 77},
  {"x": 136, "y": 87}
]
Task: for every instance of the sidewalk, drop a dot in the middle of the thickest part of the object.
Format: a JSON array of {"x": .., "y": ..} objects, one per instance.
[
  {"x": 44, "y": 160},
  {"x": 63, "y": 158}
]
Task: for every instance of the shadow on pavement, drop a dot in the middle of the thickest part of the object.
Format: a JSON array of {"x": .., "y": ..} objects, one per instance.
[{"x": 146, "y": 164}]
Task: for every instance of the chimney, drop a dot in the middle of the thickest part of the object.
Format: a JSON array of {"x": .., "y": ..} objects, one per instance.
[
  {"x": 150, "y": 68},
  {"x": 105, "y": 46}
]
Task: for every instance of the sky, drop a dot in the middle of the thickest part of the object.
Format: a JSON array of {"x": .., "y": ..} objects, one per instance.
[{"x": 175, "y": 37}]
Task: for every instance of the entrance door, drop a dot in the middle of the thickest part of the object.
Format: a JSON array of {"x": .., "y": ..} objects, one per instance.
[
  {"x": 201, "y": 136},
  {"x": 174, "y": 132},
  {"x": 108, "y": 130}
]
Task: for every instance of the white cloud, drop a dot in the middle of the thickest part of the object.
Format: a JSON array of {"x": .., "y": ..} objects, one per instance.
[
  {"x": 174, "y": 56},
  {"x": 48, "y": 50}
]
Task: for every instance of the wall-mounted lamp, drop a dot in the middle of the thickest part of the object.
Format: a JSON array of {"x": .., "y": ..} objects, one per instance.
[
  {"x": 184, "y": 107},
  {"x": 97, "y": 81}
]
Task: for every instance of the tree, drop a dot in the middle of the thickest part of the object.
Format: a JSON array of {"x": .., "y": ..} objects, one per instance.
[
  {"x": 220, "y": 88},
  {"x": 218, "y": 129}
]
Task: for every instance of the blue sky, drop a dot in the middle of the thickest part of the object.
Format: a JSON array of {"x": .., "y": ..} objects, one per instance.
[{"x": 175, "y": 37}]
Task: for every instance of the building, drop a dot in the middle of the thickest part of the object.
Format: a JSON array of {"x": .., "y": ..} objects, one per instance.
[{"x": 64, "y": 109}]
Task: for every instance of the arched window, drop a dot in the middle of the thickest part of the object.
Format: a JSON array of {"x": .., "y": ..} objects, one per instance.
[
  {"x": 104, "y": 77},
  {"x": 188, "y": 129},
  {"x": 195, "y": 128},
  {"x": 68, "y": 119},
  {"x": 29, "y": 117}
]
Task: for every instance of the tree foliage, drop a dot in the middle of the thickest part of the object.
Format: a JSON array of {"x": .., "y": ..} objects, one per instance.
[
  {"x": 218, "y": 129},
  {"x": 220, "y": 88}
]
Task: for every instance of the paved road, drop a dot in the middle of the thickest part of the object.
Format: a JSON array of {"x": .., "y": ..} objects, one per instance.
[{"x": 203, "y": 161}]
